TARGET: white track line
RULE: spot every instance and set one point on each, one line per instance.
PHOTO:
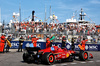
(73, 63)
(82, 62)
(97, 60)
(53, 65)
(76, 63)
(63, 64)
(91, 61)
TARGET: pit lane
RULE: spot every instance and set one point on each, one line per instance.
(15, 59)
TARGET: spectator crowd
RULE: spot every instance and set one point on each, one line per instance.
(60, 29)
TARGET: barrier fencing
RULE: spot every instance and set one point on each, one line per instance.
(42, 45)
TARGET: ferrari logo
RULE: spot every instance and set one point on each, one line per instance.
(67, 55)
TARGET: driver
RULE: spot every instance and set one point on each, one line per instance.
(63, 42)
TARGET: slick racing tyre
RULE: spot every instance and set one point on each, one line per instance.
(25, 57)
(48, 58)
(83, 55)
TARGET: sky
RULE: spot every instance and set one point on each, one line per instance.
(63, 9)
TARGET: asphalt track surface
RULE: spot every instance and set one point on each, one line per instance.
(15, 59)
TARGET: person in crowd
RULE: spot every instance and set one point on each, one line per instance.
(78, 40)
(63, 42)
(21, 40)
(34, 41)
(98, 40)
(47, 41)
(94, 40)
(82, 45)
(72, 44)
(2, 43)
(7, 47)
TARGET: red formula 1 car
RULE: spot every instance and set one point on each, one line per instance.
(52, 54)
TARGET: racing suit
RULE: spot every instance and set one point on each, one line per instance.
(34, 41)
(63, 42)
(47, 42)
(82, 47)
(2, 43)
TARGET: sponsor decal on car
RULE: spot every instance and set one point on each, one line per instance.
(63, 54)
(67, 55)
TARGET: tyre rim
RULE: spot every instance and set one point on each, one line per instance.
(51, 58)
(85, 55)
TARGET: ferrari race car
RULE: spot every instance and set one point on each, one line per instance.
(52, 54)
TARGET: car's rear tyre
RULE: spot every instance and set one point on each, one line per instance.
(25, 57)
(83, 55)
(48, 58)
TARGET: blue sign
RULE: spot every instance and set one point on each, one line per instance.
(88, 47)
(42, 45)
(14, 44)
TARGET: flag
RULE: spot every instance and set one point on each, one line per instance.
(82, 48)
(8, 43)
(52, 38)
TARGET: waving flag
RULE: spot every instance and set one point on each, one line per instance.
(8, 43)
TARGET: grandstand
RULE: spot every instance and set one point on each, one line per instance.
(71, 28)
